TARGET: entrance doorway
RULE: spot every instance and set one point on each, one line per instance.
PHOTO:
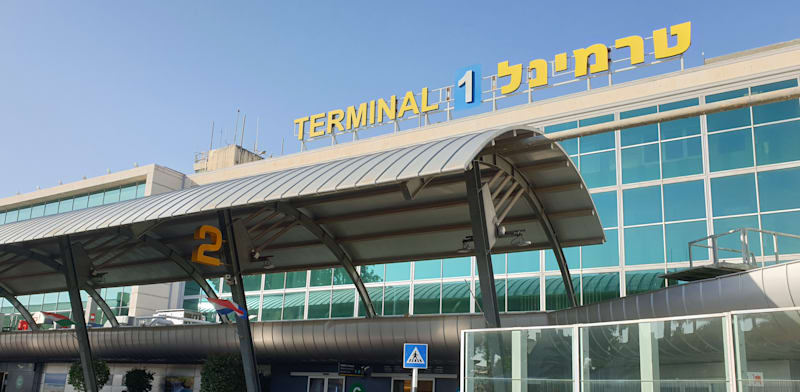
(324, 384)
(405, 385)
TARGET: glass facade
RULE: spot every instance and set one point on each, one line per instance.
(79, 202)
(655, 187)
(117, 298)
(753, 350)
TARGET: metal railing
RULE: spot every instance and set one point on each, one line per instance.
(744, 250)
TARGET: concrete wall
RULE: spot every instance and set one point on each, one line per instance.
(145, 300)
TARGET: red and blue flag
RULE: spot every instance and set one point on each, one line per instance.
(224, 306)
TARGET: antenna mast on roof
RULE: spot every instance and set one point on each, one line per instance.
(241, 140)
(255, 145)
(236, 126)
(211, 146)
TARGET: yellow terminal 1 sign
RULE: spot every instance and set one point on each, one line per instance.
(468, 83)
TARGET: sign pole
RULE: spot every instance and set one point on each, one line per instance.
(415, 357)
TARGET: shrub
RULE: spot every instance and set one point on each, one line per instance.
(101, 374)
(139, 380)
(222, 373)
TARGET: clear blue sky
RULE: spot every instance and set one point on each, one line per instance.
(87, 86)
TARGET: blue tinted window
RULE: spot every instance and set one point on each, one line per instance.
(682, 127)
(426, 298)
(637, 135)
(732, 241)
(500, 290)
(778, 143)
(398, 271)
(340, 277)
(681, 157)
(395, 300)
(571, 254)
(111, 196)
(779, 190)
(36, 211)
(606, 205)
(295, 279)
(51, 208)
(644, 245)
(600, 287)
(523, 261)
(294, 306)
(2, 218)
(372, 273)
(65, 205)
(427, 269)
(778, 110)
(523, 294)
(603, 255)
(730, 150)
(599, 169)
(678, 237)
(556, 294)
(80, 202)
(571, 145)
(24, 214)
(730, 119)
(642, 205)
(96, 199)
(456, 297)
(140, 190)
(320, 277)
(456, 267)
(785, 222)
(127, 193)
(597, 142)
(498, 264)
(733, 195)
(640, 164)
(684, 200)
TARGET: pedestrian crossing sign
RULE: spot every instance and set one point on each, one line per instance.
(415, 356)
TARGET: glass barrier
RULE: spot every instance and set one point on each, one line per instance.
(678, 355)
(768, 351)
(744, 351)
(516, 360)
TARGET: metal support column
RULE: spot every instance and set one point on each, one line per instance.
(112, 318)
(9, 296)
(336, 248)
(480, 238)
(79, 255)
(190, 270)
(237, 289)
(84, 349)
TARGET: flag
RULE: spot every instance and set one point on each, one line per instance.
(224, 306)
(61, 320)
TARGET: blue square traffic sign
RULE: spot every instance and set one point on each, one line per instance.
(415, 356)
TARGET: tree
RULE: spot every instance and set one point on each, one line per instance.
(222, 373)
(101, 374)
(139, 380)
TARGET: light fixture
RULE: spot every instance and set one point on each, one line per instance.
(516, 236)
(265, 260)
(466, 245)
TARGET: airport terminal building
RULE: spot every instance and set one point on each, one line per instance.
(622, 207)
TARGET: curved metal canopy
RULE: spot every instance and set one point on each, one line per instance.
(405, 203)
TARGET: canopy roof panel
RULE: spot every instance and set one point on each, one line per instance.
(404, 203)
